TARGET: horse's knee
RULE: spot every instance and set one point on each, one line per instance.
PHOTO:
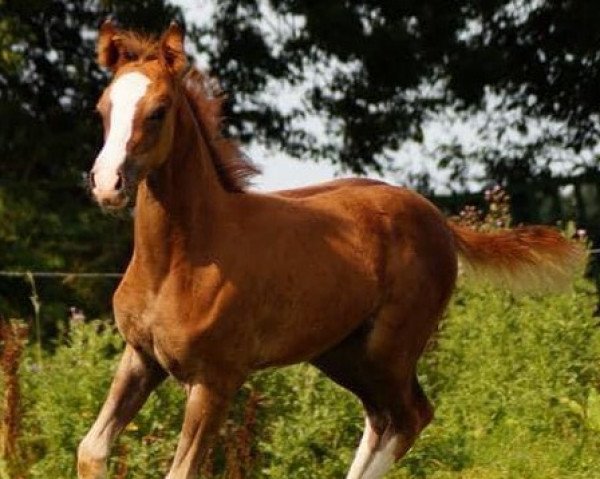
(91, 462)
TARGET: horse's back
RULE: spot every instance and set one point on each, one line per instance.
(412, 231)
(407, 213)
(420, 253)
(328, 187)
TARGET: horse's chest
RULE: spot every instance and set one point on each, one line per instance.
(136, 328)
(154, 331)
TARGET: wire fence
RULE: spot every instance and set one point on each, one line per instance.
(31, 276)
(57, 274)
(91, 275)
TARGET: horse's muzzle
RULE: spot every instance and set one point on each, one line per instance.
(111, 198)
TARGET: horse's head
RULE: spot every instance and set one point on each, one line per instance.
(137, 109)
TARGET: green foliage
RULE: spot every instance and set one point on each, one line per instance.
(62, 393)
(309, 425)
(63, 396)
(514, 381)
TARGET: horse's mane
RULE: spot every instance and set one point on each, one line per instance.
(206, 99)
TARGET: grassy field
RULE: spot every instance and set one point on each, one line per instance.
(514, 381)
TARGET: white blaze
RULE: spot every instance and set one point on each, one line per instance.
(125, 93)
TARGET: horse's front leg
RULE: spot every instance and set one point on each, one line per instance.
(206, 408)
(136, 377)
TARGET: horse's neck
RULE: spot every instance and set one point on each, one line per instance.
(179, 205)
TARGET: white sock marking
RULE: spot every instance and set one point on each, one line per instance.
(373, 463)
(383, 460)
(364, 454)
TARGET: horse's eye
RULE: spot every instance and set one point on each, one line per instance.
(157, 114)
(129, 56)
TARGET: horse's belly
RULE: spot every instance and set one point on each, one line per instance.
(288, 336)
(320, 300)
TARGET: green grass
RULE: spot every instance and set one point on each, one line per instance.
(514, 382)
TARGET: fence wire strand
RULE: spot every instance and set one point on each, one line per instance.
(72, 274)
(57, 274)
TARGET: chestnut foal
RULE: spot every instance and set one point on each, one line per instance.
(352, 275)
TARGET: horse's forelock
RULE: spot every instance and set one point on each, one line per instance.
(138, 47)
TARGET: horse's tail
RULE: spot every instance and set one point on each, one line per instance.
(531, 258)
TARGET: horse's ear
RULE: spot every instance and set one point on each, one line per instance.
(172, 51)
(107, 47)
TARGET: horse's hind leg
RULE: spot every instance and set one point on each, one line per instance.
(389, 434)
(395, 405)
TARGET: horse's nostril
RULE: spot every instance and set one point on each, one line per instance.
(119, 183)
(91, 180)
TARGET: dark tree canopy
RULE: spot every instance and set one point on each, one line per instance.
(392, 63)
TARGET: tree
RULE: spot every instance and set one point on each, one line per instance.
(389, 64)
